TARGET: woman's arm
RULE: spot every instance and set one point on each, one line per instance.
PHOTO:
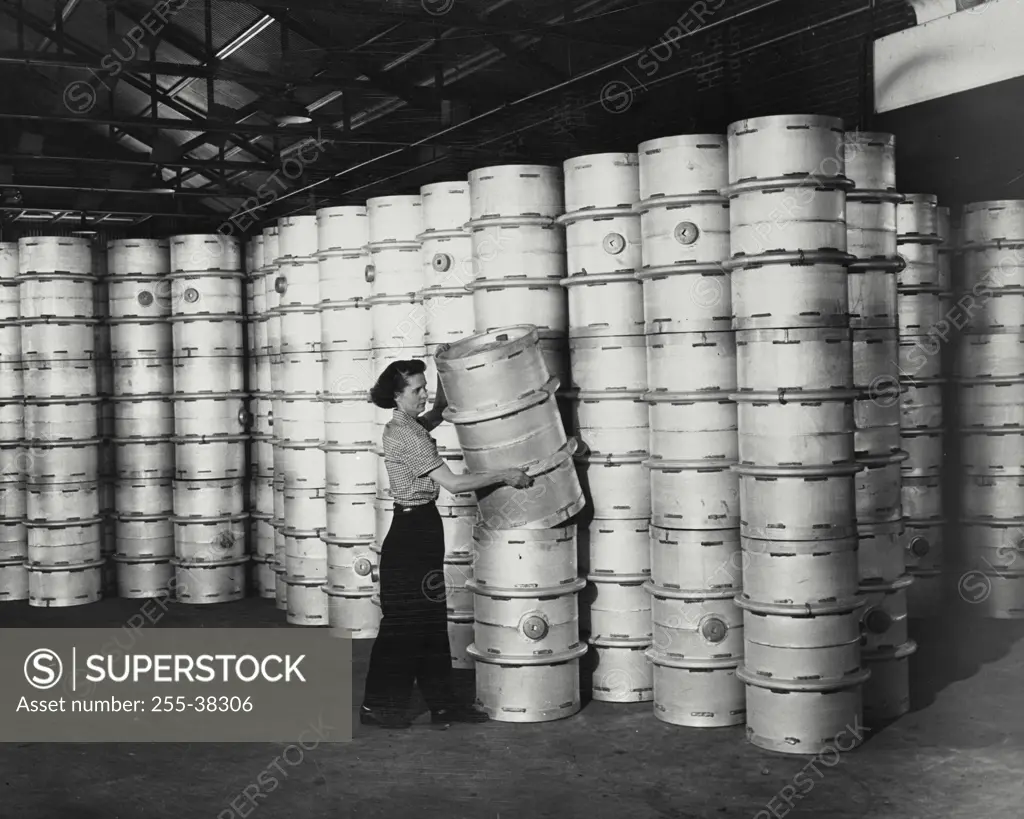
(471, 481)
(432, 418)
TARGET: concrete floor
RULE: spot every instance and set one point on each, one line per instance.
(960, 753)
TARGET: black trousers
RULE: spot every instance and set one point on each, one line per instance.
(412, 643)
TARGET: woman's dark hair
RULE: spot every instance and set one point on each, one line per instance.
(393, 380)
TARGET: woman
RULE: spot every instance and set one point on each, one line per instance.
(412, 644)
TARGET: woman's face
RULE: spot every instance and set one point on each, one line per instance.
(413, 399)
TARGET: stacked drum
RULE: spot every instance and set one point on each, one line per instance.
(211, 418)
(526, 632)
(143, 381)
(105, 410)
(691, 372)
(13, 542)
(261, 446)
(990, 384)
(62, 462)
(609, 378)
(395, 275)
(346, 333)
(300, 465)
(871, 238)
(446, 254)
(798, 493)
(519, 257)
(924, 306)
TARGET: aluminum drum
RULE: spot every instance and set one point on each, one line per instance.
(66, 462)
(526, 624)
(692, 428)
(144, 458)
(799, 573)
(142, 578)
(208, 375)
(527, 691)
(991, 497)
(302, 465)
(502, 191)
(684, 231)
(613, 609)
(61, 502)
(209, 498)
(992, 451)
(351, 566)
(209, 540)
(298, 419)
(142, 537)
(691, 362)
(616, 486)
(299, 374)
(353, 615)
(447, 259)
(793, 644)
(677, 166)
(210, 458)
(350, 471)
(785, 291)
(884, 616)
(601, 242)
(921, 406)
(796, 503)
(342, 227)
(887, 690)
(67, 378)
(768, 147)
(53, 421)
(298, 284)
(872, 298)
(63, 545)
(607, 180)
(923, 313)
(696, 626)
(397, 321)
(615, 548)
(453, 583)
(208, 336)
(150, 497)
(213, 414)
(696, 561)
(696, 694)
(65, 586)
(54, 254)
(459, 524)
(56, 296)
(395, 270)
(922, 543)
(555, 497)
(807, 430)
(305, 556)
(611, 363)
(524, 559)
(623, 672)
(351, 517)
(988, 356)
(878, 486)
(994, 268)
(306, 507)
(205, 252)
(992, 221)
(921, 496)
(207, 583)
(127, 257)
(880, 549)
(920, 358)
(342, 275)
(51, 340)
(800, 359)
(612, 424)
(610, 305)
(384, 513)
(870, 160)
(925, 448)
(917, 218)
(207, 294)
(349, 422)
(493, 369)
(348, 373)
(786, 219)
(152, 377)
(345, 325)
(445, 206)
(687, 299)
(538, 301)
(143, 417)
(694, 495)
(990, 404)
(394, 218)
(300, 330)
(449, 315)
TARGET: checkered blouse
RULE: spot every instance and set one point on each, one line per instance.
(410, 454)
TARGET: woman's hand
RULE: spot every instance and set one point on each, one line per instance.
(441, 348)
(518, 479)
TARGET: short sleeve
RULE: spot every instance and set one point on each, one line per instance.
(416, 449)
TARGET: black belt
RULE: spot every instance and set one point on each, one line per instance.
(402, 509)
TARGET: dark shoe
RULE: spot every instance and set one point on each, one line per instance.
(459, 713)
(383, 719)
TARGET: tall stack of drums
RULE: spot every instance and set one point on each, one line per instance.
(924, 303)
(801, 663)
(526, 636)
(13, 538)
(691, 374)
(394, 273)
(990, 396)
(871, 238)
(62, 463)
(261, 446)
(346, 334)
(139, 305)
(105, 415)
(210, 418)
(446, 254)
(300, 473)
(609, 378)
